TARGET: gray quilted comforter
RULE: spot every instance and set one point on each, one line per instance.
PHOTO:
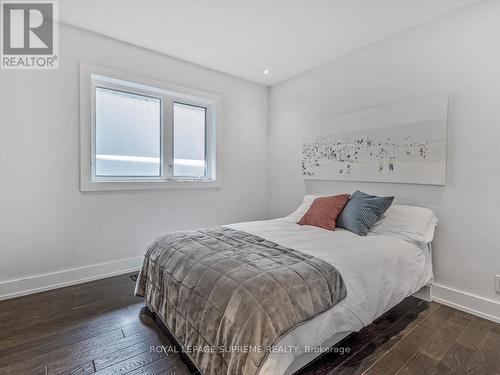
(229, 296)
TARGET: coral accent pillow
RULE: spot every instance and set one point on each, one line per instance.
(324, 211)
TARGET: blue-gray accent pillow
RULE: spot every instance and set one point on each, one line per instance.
(362, 211)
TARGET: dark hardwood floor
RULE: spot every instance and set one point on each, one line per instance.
(101, 328)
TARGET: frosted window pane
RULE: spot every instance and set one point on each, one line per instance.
(189, 141)
(128, 128)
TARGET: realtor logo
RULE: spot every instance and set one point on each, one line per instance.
(29, 35)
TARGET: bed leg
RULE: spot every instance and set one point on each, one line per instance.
(424, 294)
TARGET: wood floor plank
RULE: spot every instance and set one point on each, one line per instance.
(476, 332)
(444, 336)
(399, 355)
(132, 363)
(60, 364)
(61, 317)
(65, 344)
(73, 295)
(60, 337)
(461, 360)
(490, 352)
(155, 368)
(139, 325)
(84, 350)
(419, 364)
(100, 307)
(113, 358)
(65, 320)
(36, 312)
(86, 368)
(38, 299)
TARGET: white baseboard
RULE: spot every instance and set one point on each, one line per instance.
(467, 302)
(54, 280)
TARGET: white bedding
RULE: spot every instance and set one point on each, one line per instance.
(379, 272)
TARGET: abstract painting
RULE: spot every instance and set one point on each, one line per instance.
(403, 143)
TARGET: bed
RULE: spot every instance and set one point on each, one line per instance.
(378, 271)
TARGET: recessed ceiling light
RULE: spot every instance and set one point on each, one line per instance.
(266, 71)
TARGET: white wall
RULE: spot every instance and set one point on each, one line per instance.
(457, 55)
(47, 225)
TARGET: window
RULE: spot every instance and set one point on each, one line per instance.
(189, 140)
(127, 134)
(140, 134)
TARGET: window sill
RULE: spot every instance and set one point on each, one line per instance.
(148, 185)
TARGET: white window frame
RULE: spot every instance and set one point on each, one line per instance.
(93, 76)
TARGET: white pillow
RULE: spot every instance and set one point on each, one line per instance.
(295, 216)
(410, 223)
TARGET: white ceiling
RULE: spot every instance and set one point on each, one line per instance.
(245, 37)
